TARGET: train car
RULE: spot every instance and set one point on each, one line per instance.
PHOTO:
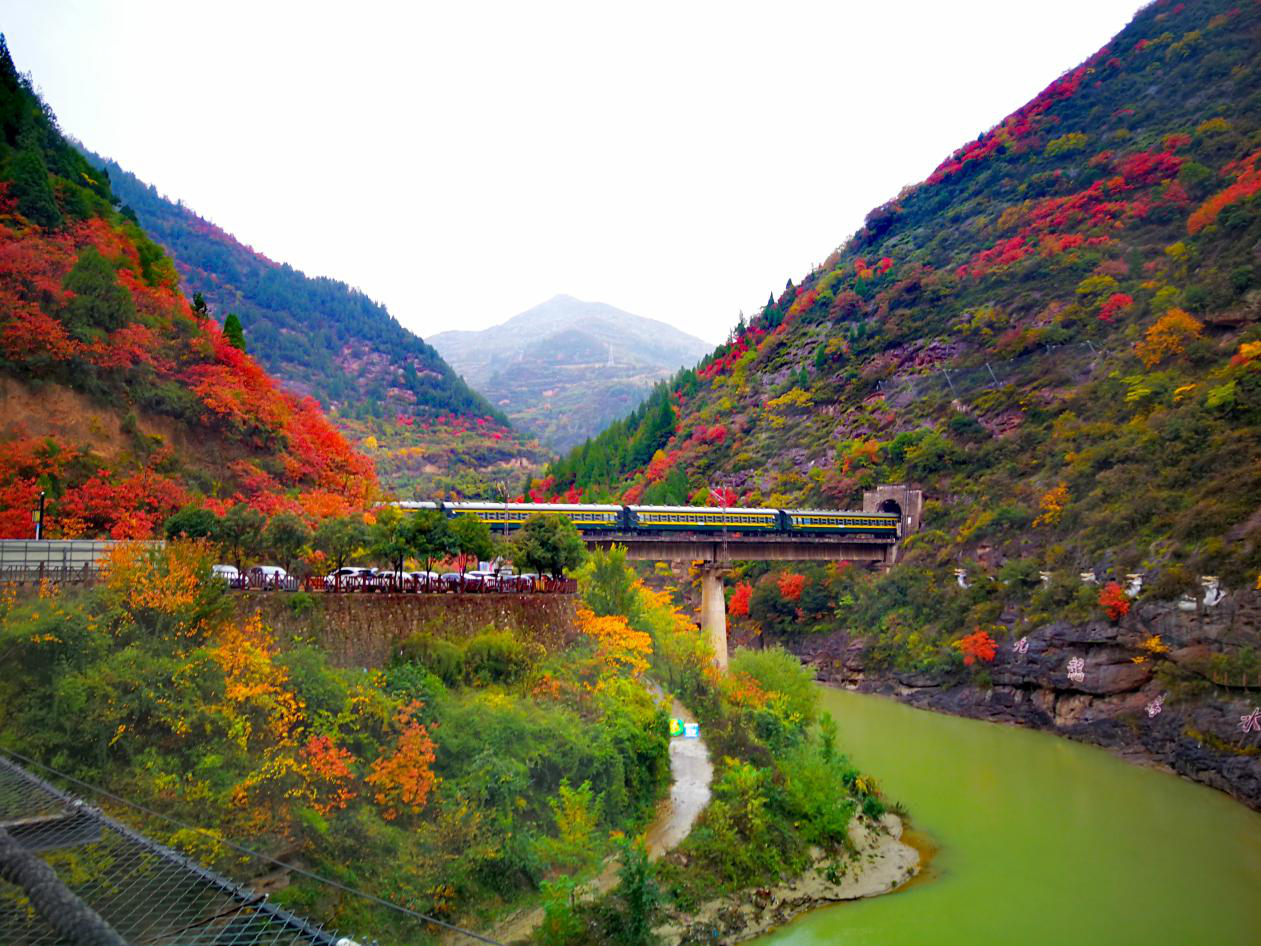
(734, 519)
(833, 522)
(510, 516)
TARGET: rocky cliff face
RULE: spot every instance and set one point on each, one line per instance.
(1179, 709)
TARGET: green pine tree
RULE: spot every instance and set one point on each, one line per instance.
(233, 331)
(36, 201)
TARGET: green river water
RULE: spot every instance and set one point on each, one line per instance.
(1042, 841)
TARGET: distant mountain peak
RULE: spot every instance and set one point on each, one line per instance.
(591, 361)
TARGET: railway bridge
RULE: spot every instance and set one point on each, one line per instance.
(717, 552)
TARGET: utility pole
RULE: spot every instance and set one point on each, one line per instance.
(722, 498)
(39, 517)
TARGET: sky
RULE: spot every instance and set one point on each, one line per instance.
(462, 162)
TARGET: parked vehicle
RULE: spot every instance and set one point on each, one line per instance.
(480, 580)
(351, 576)
(228, 573)
(268, 577)
(422, 581)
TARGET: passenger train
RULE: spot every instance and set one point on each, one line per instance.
(733, 520)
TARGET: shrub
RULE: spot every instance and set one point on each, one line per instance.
(1113, 601)
(441, 657)
(495, 657)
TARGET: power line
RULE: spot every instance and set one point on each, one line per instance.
(244, 850)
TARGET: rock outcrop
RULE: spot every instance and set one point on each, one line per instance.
(1178, 705)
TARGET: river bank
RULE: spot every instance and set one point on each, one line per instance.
(1170, 709)
(879, 863)
(1042, 841)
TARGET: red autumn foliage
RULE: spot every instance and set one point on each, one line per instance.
(978, 646)
(1247, 182)
(746, 340)
(1116, 303)
(791, 585)
(233, 399)
(1113, 601)
(1019, 125)
(740, 598)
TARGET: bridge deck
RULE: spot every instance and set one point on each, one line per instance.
(711, 547)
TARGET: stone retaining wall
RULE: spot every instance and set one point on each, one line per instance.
(363, 630)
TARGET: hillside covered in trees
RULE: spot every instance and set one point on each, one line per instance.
(1060, 324)
(1056, 335)
(322, 338)
(123, 402)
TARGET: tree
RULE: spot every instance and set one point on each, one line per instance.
(636, 903)
(740, 598)
(611, 587)
(549, 544)
(99, 302)
(199, 305)
(233, 331)
(1168, 336)
(428, 535)
(388, 540)
(791, 585)
(36, 200)
(339, 538)
(285, 537)
(472, 537)
(239, 533)
(1113, 601)
(978, 646)
(191, 522)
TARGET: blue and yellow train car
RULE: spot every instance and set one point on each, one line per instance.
(509, 516)
(835, 522)
(733, 519)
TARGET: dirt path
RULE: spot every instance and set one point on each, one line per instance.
(690, 775)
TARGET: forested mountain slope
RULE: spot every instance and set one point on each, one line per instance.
(320, 337)
(1056, 336)
(566, 368)
(1097, 251)
(121, 402)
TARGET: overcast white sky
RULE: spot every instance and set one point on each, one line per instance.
(461, 162)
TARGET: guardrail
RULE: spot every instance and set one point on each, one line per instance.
(455, 584)
(36, 573)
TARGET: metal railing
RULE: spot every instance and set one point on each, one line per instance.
(443, 584)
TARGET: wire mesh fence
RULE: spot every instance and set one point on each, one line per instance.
(148, 894)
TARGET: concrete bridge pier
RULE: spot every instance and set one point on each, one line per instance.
(714, 610)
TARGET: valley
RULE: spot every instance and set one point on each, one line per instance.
(565, 369)
(925, 607)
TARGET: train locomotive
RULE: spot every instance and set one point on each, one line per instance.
(733, 520)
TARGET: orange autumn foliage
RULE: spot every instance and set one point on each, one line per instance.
(740, 598)
(167, 580)
(1167, 337)
(1052, 502)
(978, 646)
(330, 765)
(1247, 183)
(404, 779)
(255, 685)
(619, 645)
(791, 585)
